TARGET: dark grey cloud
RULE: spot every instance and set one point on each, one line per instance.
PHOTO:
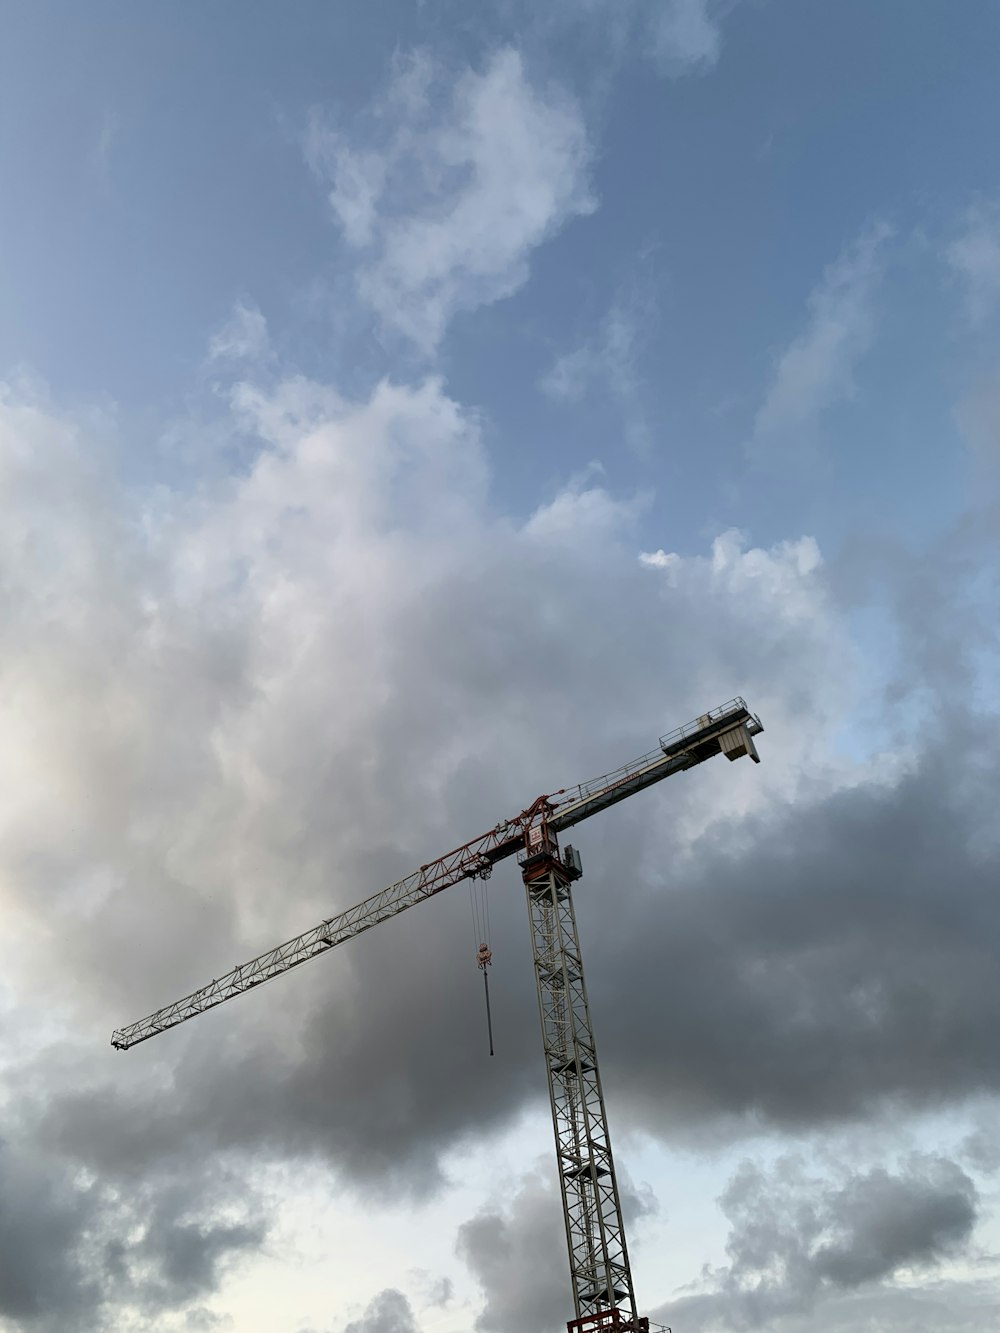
(72, 1251)
(981, 1146)
(388, 1312)
(797, 1242)
(516, 1252)
(44, 1219)
(183, 1255)
(935, 1307)
(881, 1222)
(826, 963)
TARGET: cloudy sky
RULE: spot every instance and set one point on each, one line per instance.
(408, 407)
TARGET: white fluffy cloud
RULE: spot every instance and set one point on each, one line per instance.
(978, 416)
(974, 257)
(243, 337)
(183, 676)
(223, 712)
(460, 180)
(816, 369)
(190, 681)
(679, 37)
(608, 362)
(684, 34)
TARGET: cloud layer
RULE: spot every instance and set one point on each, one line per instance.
(236, 700)
(796, 1240)
(231, 712)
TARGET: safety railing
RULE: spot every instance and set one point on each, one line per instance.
(736, 705)
(670, 741)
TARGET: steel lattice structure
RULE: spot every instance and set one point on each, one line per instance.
(595, 1235)
(599, 1267)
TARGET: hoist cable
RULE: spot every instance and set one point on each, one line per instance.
(489, 1020)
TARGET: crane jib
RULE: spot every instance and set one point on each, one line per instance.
(728, 730)
(600, 1273)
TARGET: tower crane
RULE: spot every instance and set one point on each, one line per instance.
(601, 1278)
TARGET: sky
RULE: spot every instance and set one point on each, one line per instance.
(407, 408)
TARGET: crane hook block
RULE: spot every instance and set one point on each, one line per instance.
(484, 957)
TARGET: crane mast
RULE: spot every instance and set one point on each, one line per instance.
(595, 1235)
(601, 1277)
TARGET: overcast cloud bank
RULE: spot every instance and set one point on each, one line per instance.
(233, 707)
